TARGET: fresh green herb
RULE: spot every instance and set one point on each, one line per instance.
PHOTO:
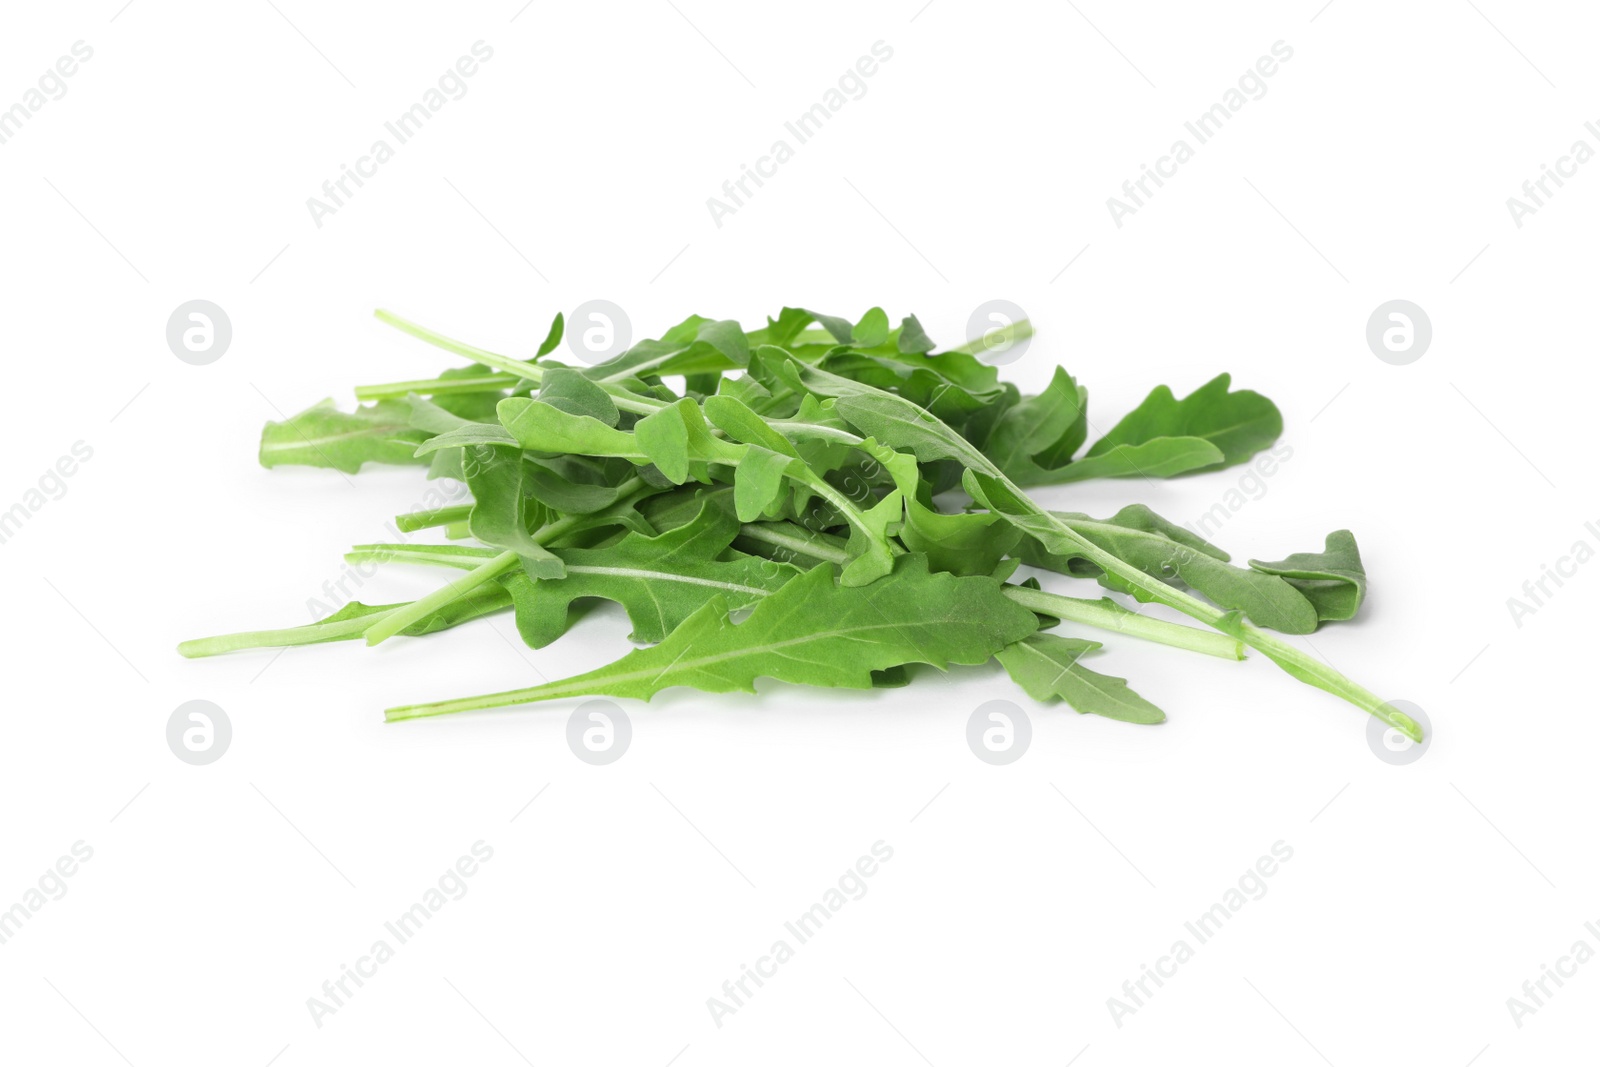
(824, 502)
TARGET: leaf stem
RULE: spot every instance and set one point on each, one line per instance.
(1006, 335)
(413, 521)
(310, 634)
(1106, 615)
(1294, 661)
(391, 623)
(482, 383)
(627, 401)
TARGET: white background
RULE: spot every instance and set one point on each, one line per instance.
(219, 898)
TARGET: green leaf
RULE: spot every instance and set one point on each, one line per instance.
(1174, 555)
(841, 329)
(1238, 424)
(1160, 457)
(913, 340)
(1333, 580)
(569, 390)
(758, 482)
(963, 544)
(552, 338)
(470, 435)
(677, 436)
(812, 631)
(659, 580)
(541, 427)
(323, 436)
(734, 418)
(872, 330)
(351, 622)
(783, 329)
(1047, 666)
(503, 513)
(1051, 425)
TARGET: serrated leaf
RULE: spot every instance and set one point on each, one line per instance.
(1046, 666)
(323, 436)
(1174, 555)
(659, 580)
(1238, 424)
(812, 631)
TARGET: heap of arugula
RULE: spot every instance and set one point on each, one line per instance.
(788, 515)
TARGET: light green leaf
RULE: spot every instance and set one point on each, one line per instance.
(323, 436)
(1046, 666)
(812, 631)
(659, 580)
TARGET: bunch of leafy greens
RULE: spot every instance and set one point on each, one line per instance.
(788, 514)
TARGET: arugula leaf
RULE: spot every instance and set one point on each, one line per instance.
(1047, 666)
(812, 631)
(504, 514)
(1237, 424)
(825, 457)
(552, 337)
(961, 544)
(659, 580)
(351, 621)
(1040, 432)
(1172, 554)
(1333, 580)
(323, 436)
(913, 340)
